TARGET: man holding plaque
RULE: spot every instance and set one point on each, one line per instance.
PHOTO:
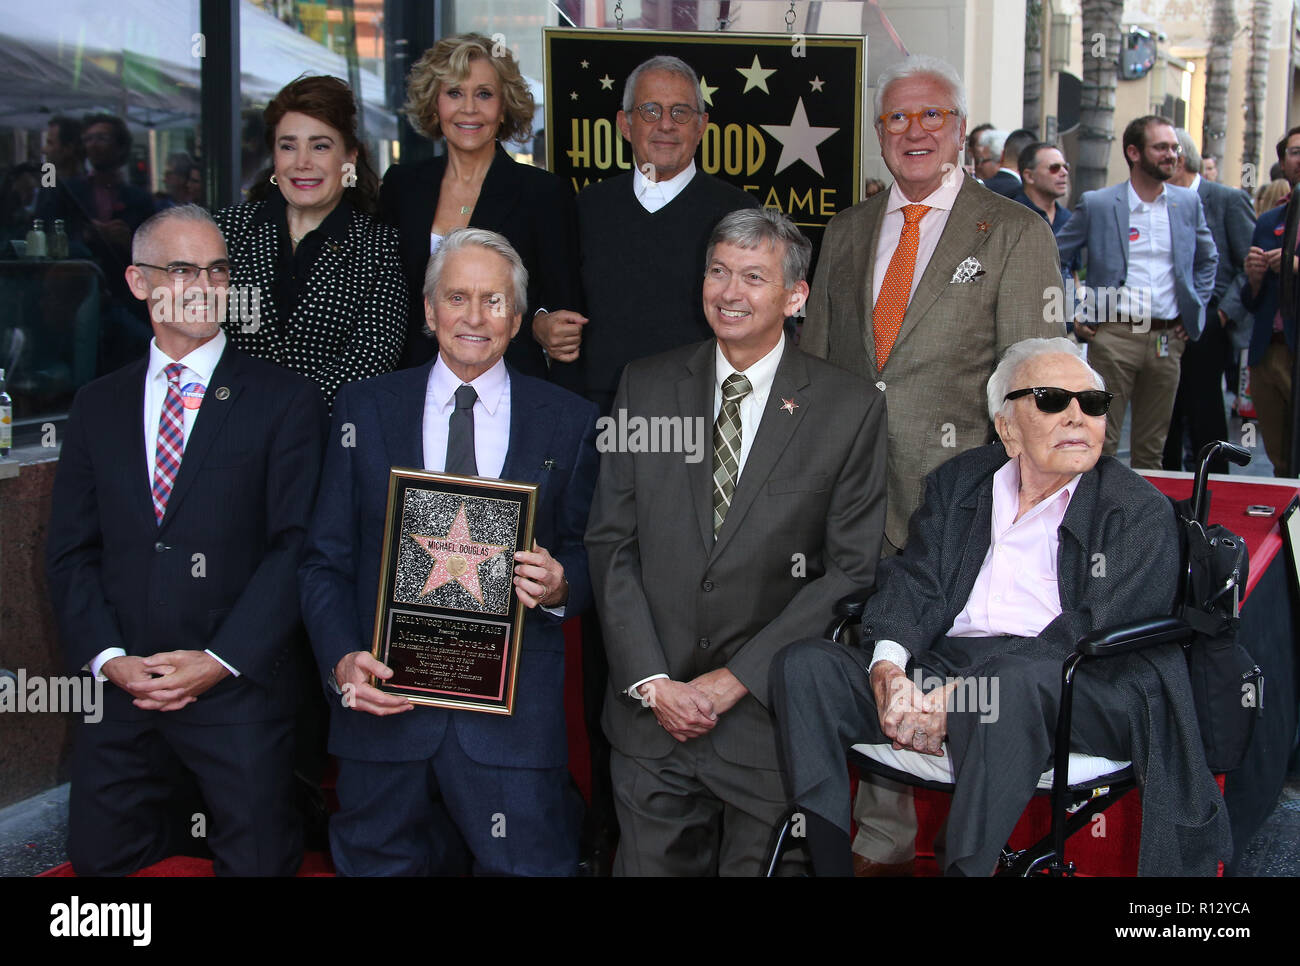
(706, 567)
(416, 781)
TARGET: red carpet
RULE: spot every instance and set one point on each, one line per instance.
(314, 864)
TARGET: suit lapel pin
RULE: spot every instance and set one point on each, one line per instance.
(222, 393)
(982, 226)
(789, 405)
(548, 464)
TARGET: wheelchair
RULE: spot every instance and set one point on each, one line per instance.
(1080, 786)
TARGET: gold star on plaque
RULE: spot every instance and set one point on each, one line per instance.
(456, 557)
(789, 405)
(981, 226)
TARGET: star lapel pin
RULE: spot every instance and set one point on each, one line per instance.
(789, 405)
(981, 226)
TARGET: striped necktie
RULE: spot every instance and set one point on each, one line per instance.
(726, 446)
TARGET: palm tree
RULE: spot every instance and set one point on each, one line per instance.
(1261, 27)
(1218, 65)
(1101, 48)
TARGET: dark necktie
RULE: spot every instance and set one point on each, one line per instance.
(460, 434)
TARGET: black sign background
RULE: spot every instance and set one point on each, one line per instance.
(801, 84)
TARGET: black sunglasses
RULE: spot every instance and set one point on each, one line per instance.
(1093, 402)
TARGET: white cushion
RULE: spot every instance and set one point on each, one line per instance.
(1083, 768)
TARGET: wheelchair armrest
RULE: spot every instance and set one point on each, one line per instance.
(851, 605)
(1133, 636)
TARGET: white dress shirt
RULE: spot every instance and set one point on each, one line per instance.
(654, 195)
(199, 366)
(1016, 591)
(761, 376)
(752, 406)
(1150, 258)
(491, 423)
(491, 417)
(931, 227)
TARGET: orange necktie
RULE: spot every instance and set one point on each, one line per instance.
(896, 290)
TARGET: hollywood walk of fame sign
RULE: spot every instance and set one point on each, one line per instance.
(447, 620)
(785, 112)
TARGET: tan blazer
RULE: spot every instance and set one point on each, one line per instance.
(952, 334)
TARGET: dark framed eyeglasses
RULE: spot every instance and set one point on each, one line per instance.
(1093, 402)
(681, 113)
(1056, 167)
(930, 119)
(218, 272)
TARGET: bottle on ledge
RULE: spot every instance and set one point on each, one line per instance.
(36, 239)
(6, 419)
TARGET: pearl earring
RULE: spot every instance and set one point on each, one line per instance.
(274, 182)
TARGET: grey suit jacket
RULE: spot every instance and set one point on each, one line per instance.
(803, 530)
(1232, 221)
(953, 333)
(1117, 561)
(1100, 224)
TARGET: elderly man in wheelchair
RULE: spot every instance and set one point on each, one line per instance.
(1019, 549)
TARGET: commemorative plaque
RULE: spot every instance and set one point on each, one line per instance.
(447, 620)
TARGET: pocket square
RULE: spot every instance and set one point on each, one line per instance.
(967, 271)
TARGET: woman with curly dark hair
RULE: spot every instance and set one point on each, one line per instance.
(317, 282)
(469, 92)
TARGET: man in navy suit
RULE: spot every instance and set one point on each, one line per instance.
(412, 781)
(1151, 271)
(178, 516)
(1273, 339)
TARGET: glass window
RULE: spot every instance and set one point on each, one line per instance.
(99, 111)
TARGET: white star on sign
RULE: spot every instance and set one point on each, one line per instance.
(573, 95)
(607, 83)
(799, 140)
(585, 65)
(756, 75)
(706, 91)
(817, 84)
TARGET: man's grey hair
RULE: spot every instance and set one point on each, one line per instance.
(995, 141)
(1004, 376)
(463, 238)
(670, 65)
(143, 238)
(758, 227)
(922, 65)
(1191, 153)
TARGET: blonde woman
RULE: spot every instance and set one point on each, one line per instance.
(461, 93)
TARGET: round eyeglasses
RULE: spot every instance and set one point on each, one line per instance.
(930, 119)
(681, 113)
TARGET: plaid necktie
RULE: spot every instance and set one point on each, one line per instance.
(896, 289)
(726, 446)
(171, 441)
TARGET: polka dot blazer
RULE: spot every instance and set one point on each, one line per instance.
(350, 320)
